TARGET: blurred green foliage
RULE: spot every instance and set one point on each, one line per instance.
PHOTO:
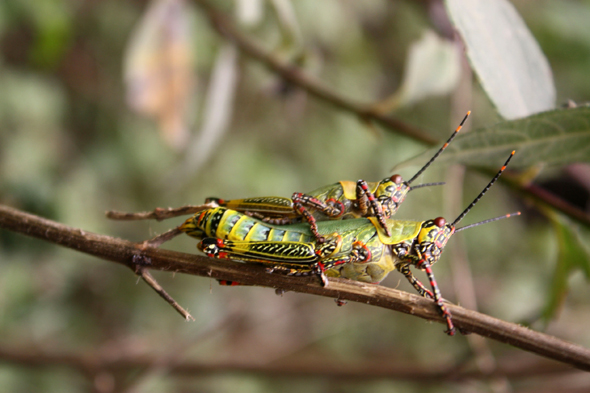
(70, 148)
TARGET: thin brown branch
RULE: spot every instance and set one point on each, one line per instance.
(320, 368)
(151, 281)
(159, 213)
(124, 252)
(545, 197)
(290, 72)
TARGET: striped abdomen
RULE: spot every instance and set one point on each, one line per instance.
(223, 223)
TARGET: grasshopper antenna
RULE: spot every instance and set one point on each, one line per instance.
(488, 220)
(439, 183)
(481, 194)
(453, 135)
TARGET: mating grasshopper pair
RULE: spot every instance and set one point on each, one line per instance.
(357, 249)
(266, 230)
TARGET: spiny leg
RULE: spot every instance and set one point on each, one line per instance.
(444, 312)
(363, 194)
(422, 290)
(301, 202)
(319, 268)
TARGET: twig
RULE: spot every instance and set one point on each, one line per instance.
(227, 28)
(122, 251)
(151, 281)
(159, 213)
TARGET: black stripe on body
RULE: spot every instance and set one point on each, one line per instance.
(215, 220)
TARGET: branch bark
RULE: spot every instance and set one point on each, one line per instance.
(126, 253)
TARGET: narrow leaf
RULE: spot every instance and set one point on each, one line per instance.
(505, 56)
(432, 68)
(557, 137)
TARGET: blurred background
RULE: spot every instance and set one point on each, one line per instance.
(132, 105)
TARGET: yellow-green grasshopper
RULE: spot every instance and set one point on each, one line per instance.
(357, 249)
(342, 200)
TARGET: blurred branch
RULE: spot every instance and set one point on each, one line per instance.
(294, 74)
(93, 364)
(126, 253)
(290, 72)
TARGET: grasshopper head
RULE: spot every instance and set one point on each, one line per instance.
(391, 192)
(435, 234)
(432, 239)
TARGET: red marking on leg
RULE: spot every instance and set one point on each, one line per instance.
(313, 226)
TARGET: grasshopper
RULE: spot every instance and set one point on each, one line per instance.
(342, 200)
(357, 249)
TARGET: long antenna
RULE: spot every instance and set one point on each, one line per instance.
(481, 194)
(440, 183)
(488, 220)
(453, 135)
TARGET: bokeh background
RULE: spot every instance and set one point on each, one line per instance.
(132, 105)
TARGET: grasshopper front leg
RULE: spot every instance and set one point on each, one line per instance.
(420, 288)
(331, 208)
(364, 198)
(402, 251)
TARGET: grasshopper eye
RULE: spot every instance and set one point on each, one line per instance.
(440, 222)
(397, 179)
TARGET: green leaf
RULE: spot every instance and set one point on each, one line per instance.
(572, 255)
(556, 137)
(505, 56)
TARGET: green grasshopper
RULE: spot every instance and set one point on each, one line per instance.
(357, 249)
(342, 200)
